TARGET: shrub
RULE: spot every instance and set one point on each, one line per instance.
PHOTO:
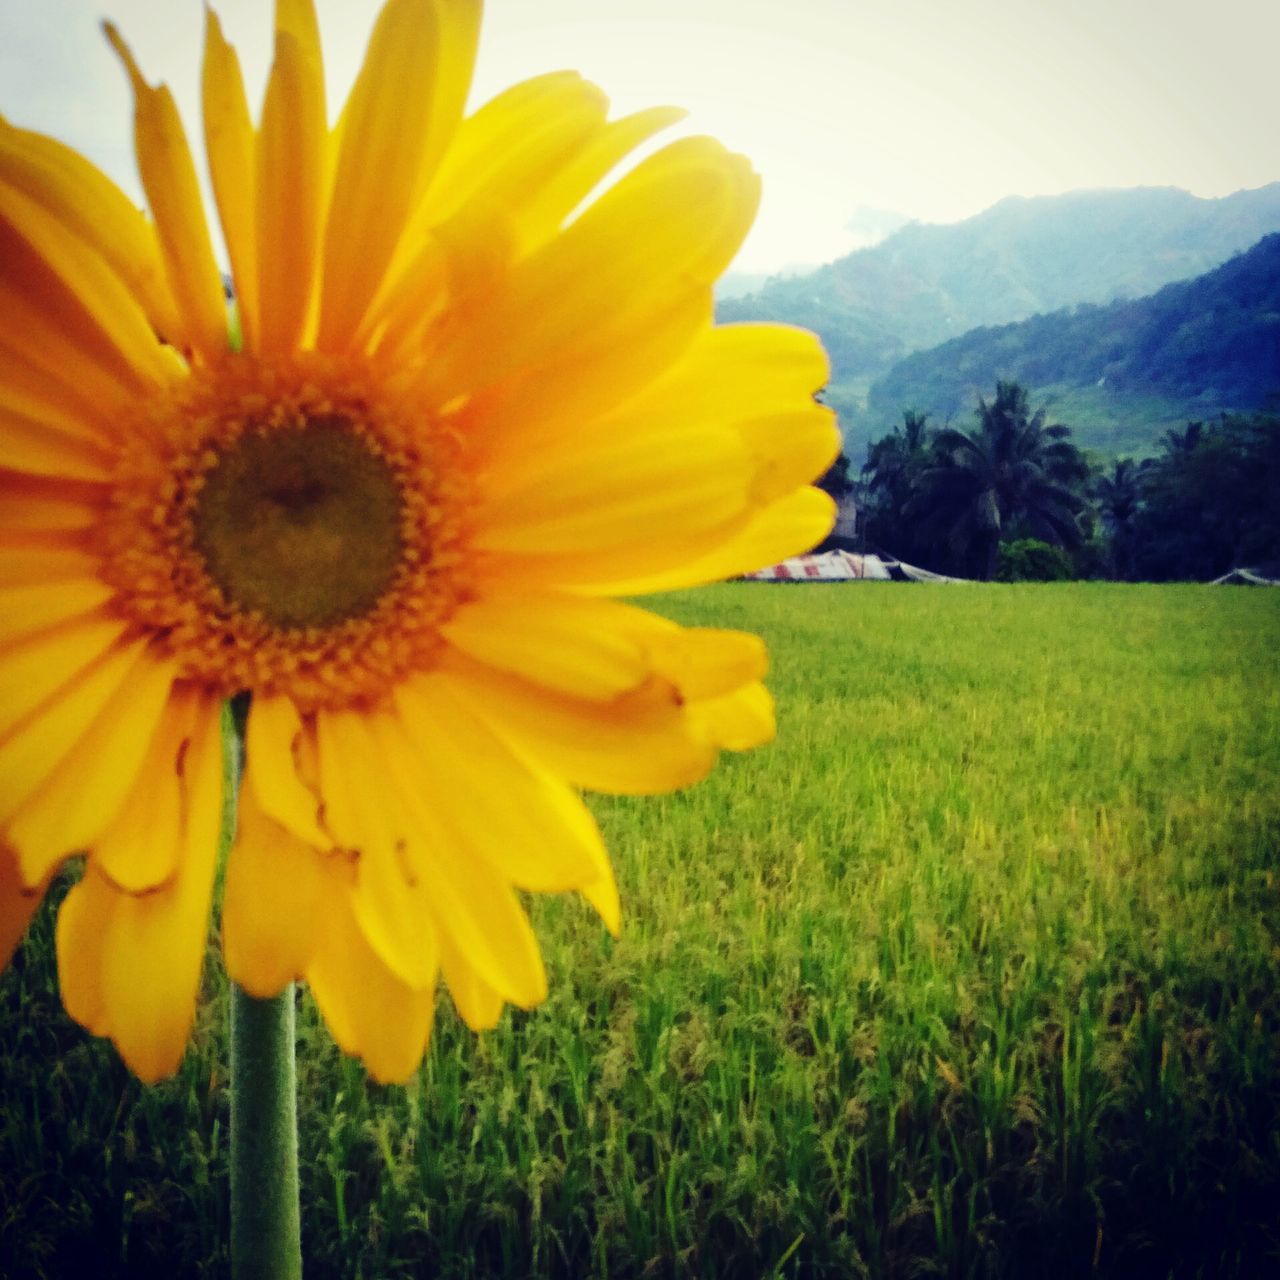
(1031, 560)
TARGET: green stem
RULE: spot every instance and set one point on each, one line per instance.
(266, 1236)
(266, 1242)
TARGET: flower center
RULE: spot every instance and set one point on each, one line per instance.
(301, 524)
(289, 527)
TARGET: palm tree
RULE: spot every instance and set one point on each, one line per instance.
(892, 473)
(836, 479)
(1181, 444)
(1118, 497)
(896, 459)
(1013, 475)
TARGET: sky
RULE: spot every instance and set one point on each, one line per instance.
(934, 109)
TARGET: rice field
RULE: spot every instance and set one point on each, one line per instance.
(974, 973)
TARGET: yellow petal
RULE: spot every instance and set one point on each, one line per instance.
(446, 289)
(617, 494)
(788, 527)
(750, 376)
(84, 925)
(389, 901)
(403, 109)
(468, 230)
(138, 849)
(290, 180)
(671, 224)
(129, 965)
(48, 512)
(424, 874)
(789, 450)
(737, 721)
(35, 607)
(370, 1011)
(24, 562)
(33, 447)
(706, 662)
(276, 906)
(459, 25)
(229, 143)
(93, 209)
(173, 192)
(602, 896)
(761, 378)
(516, 143)
(543, 215)
(580, 647)
(272, 738)
(542, 837)
(546, 404)
(297, 20)
(17, 905)
(65, 311)
(80, 791)
(477, 1003)
(702, 668)
(412, 298)
(638, 744)
(734, 372)
(594, 571)
(34, 393)
(599, 649)
(35, 669)
(678, 215)
(660, 236)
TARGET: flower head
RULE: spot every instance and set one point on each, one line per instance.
(462, 414)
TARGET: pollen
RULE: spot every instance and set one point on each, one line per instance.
(289, 527)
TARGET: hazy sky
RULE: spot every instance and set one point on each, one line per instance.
(933, 108)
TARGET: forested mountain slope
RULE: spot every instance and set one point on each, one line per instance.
(1193, 349)
(926, 284)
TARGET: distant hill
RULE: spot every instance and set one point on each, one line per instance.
(926, 284)
(739, 284)
(1116, 373)
(864, 228)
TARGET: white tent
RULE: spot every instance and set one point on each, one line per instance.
(845, 566)
(831, 566)
(1245, 578)
(913, 574)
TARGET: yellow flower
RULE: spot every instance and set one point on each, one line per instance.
(463, 414)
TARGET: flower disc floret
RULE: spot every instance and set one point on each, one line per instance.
(288, 527)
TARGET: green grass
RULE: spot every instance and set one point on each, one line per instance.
(972, 973)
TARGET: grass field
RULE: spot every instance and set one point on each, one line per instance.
(973, 973)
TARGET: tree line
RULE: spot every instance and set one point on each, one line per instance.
(1013, 497)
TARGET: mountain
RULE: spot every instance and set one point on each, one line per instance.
(738, 284)
(926, 283)
(1116, 373)
(864, 228)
